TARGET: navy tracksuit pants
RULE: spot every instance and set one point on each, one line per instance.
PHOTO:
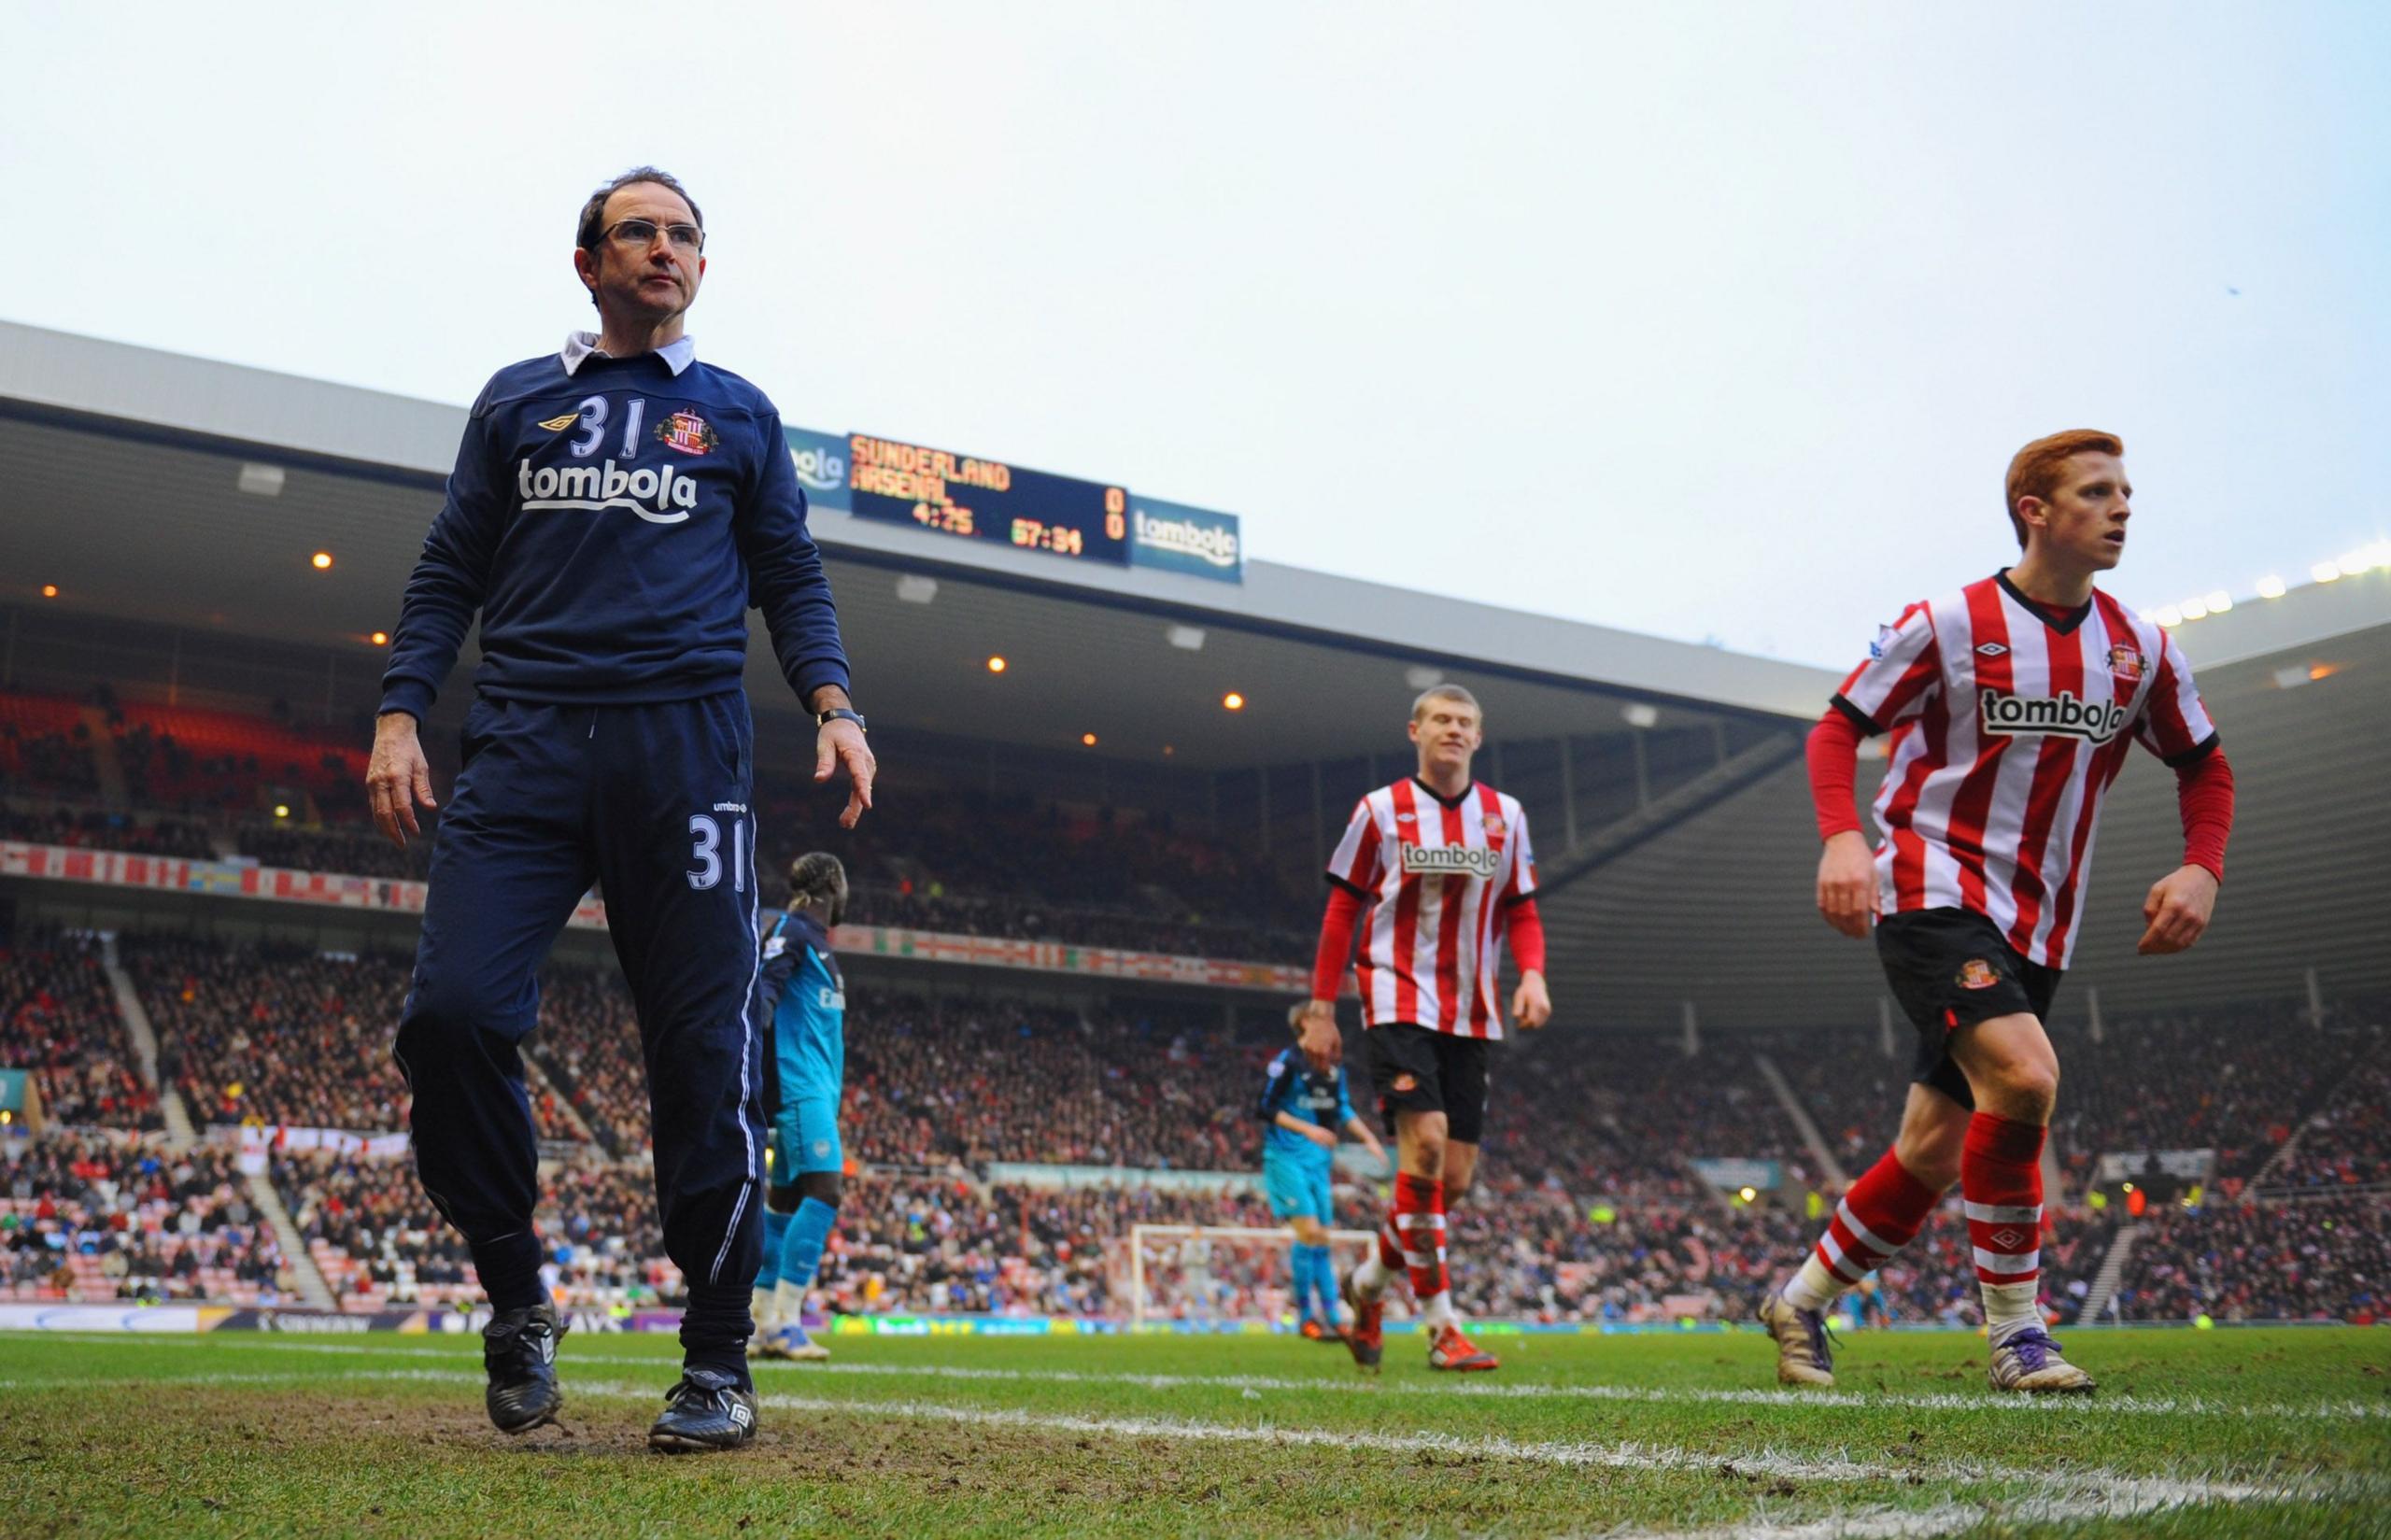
(652, 801)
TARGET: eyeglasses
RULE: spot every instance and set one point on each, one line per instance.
(641, 234)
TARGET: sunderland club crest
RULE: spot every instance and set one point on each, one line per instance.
(686, 432)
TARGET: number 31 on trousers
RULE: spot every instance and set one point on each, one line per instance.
(707, 852)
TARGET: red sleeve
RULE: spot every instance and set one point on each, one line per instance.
(1834, 767)
(1525, 932)
(2204, 797)
(1335, 943)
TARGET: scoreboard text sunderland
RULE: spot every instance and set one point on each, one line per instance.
(971, 498)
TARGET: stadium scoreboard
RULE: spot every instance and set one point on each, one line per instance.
(985, 499)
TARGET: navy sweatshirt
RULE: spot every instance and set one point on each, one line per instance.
(612, 524)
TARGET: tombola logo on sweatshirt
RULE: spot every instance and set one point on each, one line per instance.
(595, 488)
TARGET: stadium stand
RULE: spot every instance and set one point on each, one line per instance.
(100, 1218)
(1587, 1206)
(2218, 1079)
(971, 864)
(76, 827)
(278, 1035)
(2348, 1142)
(194, 760)
(2318, 1259)
(273, 1034)
(58, 1019)
(46, 748)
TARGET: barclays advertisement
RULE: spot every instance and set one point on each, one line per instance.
(1175, 537)
(821, 467)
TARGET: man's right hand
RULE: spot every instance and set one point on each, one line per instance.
(1847, 883)
(397, 778)
(1326, 1138)
(1319, 1037)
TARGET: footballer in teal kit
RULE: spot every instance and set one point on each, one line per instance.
(1304, 1103)
(802, 1002)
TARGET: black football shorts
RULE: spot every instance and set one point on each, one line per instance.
(1950, 968)
(1416, 1070)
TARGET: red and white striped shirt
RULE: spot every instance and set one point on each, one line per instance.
(2008, 727)
(1435, 875)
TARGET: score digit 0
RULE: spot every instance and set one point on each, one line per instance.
(1116, 507)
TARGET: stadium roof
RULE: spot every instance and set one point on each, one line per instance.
(126, 474)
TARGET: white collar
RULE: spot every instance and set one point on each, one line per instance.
(677, 355)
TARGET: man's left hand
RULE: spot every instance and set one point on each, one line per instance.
(841, 742)
(2178, 909)
(1531, 1003)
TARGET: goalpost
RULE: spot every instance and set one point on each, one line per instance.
(1226, 1273)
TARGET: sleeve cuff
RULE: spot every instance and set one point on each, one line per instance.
(814, 679)
(411, 695)
(1859, 719)
(1352, 887)
(2192, 755)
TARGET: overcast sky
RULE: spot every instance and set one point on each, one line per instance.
(1705, 320)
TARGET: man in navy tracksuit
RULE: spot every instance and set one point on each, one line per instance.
(615, 510)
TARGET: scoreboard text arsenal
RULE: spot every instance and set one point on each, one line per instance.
(971, 498)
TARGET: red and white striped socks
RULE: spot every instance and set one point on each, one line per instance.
(2001, 1180)
(1412, 1241)
(1882, 1213)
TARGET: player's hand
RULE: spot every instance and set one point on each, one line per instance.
(397, 778)
(1847, 883)
(1531, 1003)
(841, 742)
(1324, 1138)
(1319, 1037)
(2178, 908)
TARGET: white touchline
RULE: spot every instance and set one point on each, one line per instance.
(1878, 1523)
(2084, 1408)
(2112, 1488)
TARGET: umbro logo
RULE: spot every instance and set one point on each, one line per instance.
(1991, 649)
(740, 1416)
(2008, 1240)
(557, 425)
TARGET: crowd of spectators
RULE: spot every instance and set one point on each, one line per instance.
(45, 755)
(587, 1044)
(379, 1242)
(351, 850)
(1537, 1252)
(92, 1217)
(273, 1034)
(267, 1035)
(2216, 1081)
(946, 1242)
(1042, 855)
(2326, 1258)
(82, 828)
(231, 764)
(59, 1020)
(962, 861)
(2347, 1143)
(1624, 1114)
(1588, 1206)
(2219, 1080)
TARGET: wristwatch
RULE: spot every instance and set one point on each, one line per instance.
(841, 714)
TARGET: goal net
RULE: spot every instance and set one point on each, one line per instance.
(1216, 1274)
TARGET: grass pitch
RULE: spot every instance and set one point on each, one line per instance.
(2240, 1432)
